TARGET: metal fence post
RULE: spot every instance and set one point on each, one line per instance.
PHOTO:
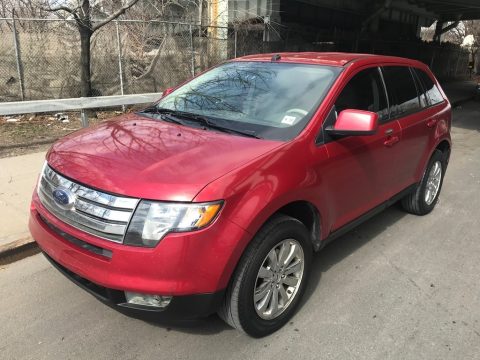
(192, 49)
(459, 55)
(18, 58)
(84, 118)
(449, 69)
(235, 42)
(120, 67)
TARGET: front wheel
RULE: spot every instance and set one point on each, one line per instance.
(424, 198)
(270, 278)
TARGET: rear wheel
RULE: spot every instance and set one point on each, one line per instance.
(270, 278)
(424, 198)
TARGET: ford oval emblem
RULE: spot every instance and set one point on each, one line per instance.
(63, 197)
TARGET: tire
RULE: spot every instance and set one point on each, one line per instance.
(239, 308)
(416, 202)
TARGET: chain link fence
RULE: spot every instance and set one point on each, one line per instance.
(9, 80)
(40, 58)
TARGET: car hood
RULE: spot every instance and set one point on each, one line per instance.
(145, 158)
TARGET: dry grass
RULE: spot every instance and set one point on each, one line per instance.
(24, 135)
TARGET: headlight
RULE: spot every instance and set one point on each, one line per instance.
(153, 220)
(42, 172)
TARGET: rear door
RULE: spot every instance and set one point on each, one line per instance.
(408, 105)
(363, 171)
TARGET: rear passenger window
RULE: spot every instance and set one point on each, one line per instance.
(431, 89)
(364, 91)
(402, 91)
(424, 102)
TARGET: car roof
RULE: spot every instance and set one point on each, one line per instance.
(327, 58)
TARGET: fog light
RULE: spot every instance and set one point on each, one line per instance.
(147, 299)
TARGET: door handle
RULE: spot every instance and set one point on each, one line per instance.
(392, 140)
(431, 123)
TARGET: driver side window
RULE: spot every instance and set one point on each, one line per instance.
(364, 91)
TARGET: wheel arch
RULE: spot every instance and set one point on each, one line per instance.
(445, 147)
(308, 214)
(302, 210)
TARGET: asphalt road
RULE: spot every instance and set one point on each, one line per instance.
(397, 287)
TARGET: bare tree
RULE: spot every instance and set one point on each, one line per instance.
(81, 11)
(466, 34)
(21, 8)
(427, 33)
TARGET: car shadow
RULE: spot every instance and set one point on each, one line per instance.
(203, 326)
(347, 244)
(467, 116)
(332, 254)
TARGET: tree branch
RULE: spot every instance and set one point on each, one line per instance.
(49, 8)
(59, 8)
(71, 11)
(114, 15)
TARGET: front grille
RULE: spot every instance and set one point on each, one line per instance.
(95, 212)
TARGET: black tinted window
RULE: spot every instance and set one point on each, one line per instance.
(364, 92)
(431, 90)
(401, 89)
(424, 102)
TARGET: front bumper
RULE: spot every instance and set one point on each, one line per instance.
(193, 266)
(181, 307)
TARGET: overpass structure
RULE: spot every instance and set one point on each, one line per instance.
(410, 14)
(451, 10)
(391, 27)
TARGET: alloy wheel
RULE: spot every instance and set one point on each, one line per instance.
(433, 182)
(279, 279)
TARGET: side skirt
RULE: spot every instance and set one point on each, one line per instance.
(368, 215)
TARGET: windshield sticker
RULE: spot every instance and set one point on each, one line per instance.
(289, 120)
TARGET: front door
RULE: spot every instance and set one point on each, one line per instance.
(363, 169)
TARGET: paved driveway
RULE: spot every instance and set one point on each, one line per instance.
(399, 286)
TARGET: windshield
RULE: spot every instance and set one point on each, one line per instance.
(271, 100)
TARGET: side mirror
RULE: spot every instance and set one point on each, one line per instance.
(353, 122)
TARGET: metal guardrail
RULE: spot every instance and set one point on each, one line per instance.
(82, 104)
(29, 42)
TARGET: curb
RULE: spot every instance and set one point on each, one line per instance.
(17, 250)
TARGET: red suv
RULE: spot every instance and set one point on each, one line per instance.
(215, 198)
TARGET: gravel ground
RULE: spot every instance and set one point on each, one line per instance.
(31, 129)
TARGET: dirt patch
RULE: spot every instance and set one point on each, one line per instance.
(23, 134)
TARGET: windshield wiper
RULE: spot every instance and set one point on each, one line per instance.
(203, 120)
(246, 133)
(165, 114)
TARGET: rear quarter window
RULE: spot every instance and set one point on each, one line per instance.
(432, 92)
